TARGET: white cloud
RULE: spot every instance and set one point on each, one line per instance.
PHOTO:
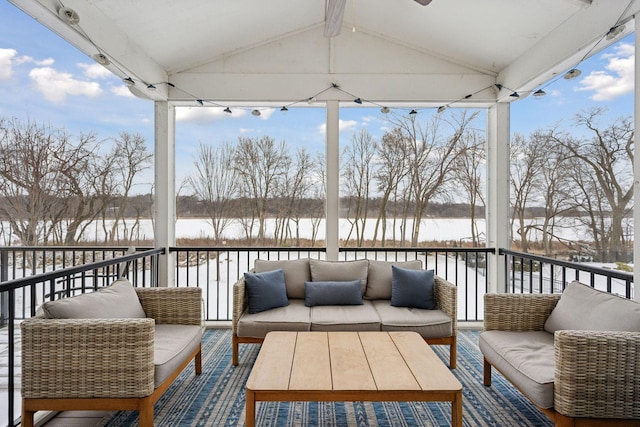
(122, 90)
(25, 59)
(205, 115)
(266, 113)
(95, 71)
(343, 125)
(6, 61)
(56, 86)
(617, 79)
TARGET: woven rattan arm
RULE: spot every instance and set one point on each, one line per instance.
(240, 302)
(597, 374)
(517, 312)
(87, 358)
(446, 294)
(177, 306)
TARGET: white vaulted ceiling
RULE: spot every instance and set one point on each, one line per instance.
(387, 51)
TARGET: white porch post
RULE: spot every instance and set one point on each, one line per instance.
(498, 205)
(165, 200)
(333, 180)
(636, 170)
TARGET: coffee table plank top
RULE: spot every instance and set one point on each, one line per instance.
(389, 369)
(311, 369)
(349, 365)
(272, 369)
(417, 354)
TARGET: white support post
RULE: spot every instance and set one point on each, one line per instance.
(165, 192)
(498, 203)
(332, 219)
(636, 171)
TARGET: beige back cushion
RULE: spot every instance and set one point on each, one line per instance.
(583, 308)
(340, 271)
(118, 301)
(379, 280)
(296, 272)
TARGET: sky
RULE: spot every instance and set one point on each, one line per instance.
(45, 79)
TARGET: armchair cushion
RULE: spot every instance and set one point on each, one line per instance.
(606, 312)
(117, 301)
(412, 288)
(172, 344)
(266, 290)
(333, 293)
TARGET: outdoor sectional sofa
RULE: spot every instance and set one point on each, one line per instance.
(575, 355)
(117, 348)
(344, 296)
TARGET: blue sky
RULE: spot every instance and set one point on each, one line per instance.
(43, 78)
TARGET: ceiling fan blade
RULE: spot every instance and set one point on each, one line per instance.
(333, 21)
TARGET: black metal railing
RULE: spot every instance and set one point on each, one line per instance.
(527, 273)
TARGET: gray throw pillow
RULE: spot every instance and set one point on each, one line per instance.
(296, 272)
(332, 293)
(412, 288)
(379, 279)
(266, 290)
(117, 301)
(330, 271)
(583, 308)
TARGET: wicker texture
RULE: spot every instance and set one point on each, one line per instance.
(175, 306)
(597, 374)
(87, 358)
(446, 297)
(240, 303)
(517, 312)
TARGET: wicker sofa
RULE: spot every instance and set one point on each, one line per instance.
(373, 312)
(576, 356)
(117, 348)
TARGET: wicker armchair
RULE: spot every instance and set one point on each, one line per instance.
(597, 373)
(105, 364)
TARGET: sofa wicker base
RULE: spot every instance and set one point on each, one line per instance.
(142, 404)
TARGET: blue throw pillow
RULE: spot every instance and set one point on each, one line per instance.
(333, 293)
(266, 290)
(412, 288)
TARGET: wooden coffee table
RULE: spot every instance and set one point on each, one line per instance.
(350, 366)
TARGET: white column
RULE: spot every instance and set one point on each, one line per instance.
(165, 200)
(333, 180)
(636, 172)
(498, 205)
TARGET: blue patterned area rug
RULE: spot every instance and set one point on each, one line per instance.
(217, 397)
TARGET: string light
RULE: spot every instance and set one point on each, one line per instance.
(255, 112)
(227, 110)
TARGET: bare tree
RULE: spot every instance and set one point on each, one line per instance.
(431, 157)
(261, 165)
(609, 156)
(526, 166)
(215, 184)
(391, 170)
(469, 168)
(357, 167)
(319, 192)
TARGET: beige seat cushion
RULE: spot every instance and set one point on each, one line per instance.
(296, 272)
(345, 318)
(171, 346)
(526, 359)
(380, 275)
(294, 317)
(428, 323)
